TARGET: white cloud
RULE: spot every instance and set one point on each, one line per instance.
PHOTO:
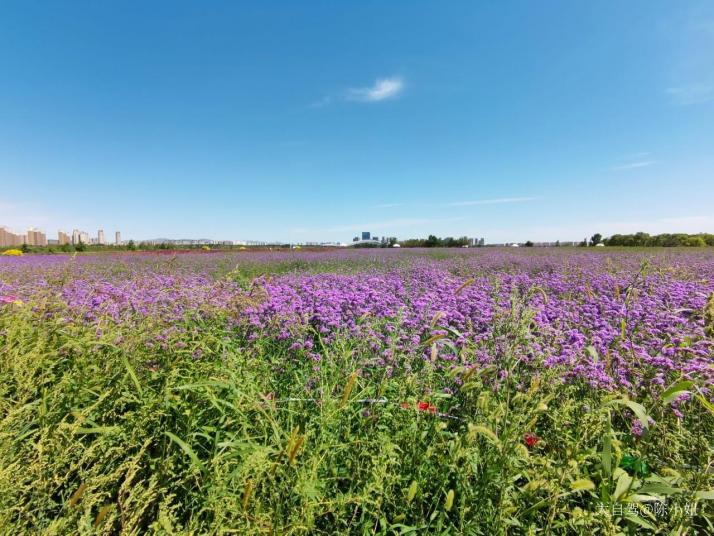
(382, 89)
(634, 165)
(691, 94)
(498, 201)
(324, 101)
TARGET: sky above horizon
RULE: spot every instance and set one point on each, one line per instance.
(314, 121)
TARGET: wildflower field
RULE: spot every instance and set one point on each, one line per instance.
(484, 391)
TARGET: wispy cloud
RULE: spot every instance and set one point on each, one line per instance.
(637, 156)
(634, 165)
(382, 89)
(324, 101)
(466, 203)
(691, 94)
(497, 201)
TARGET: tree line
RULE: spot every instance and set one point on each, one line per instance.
(434, 241)
(661, 240)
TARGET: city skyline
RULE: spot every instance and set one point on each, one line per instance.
(38, 237)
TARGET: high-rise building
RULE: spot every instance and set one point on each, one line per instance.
(80, 237)
(100, 237)
(62, 238)
(117, 238)
(36, 237)
(365, 235)
(8, 238)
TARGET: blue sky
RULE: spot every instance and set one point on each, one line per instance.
(315, 120)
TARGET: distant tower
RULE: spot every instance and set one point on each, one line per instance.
(100, 237)
(365, 235)
(35, 237)
(117, 238)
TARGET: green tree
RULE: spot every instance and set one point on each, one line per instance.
(432, 242)
(695, 242)
(595, 239)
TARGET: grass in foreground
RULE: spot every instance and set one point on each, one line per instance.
(212, 433)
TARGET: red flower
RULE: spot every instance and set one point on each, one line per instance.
(425, 406)
(531, 439)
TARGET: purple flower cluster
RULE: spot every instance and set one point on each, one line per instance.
(617, 321)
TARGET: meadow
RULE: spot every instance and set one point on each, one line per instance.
(480, 391)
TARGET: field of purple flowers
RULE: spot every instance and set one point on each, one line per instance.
(370, 392)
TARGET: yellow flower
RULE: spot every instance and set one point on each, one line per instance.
(13, 252)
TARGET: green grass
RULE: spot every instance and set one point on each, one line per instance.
(107, 437)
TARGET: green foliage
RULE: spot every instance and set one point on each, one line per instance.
(434, 241)
(709, 316)
(666, 240)
(101, 433)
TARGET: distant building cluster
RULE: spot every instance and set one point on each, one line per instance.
(35, 237)
(32, 237)
(82, 237)
(366, 238)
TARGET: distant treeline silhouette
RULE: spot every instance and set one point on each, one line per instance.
(661, 240)
(434, 241)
